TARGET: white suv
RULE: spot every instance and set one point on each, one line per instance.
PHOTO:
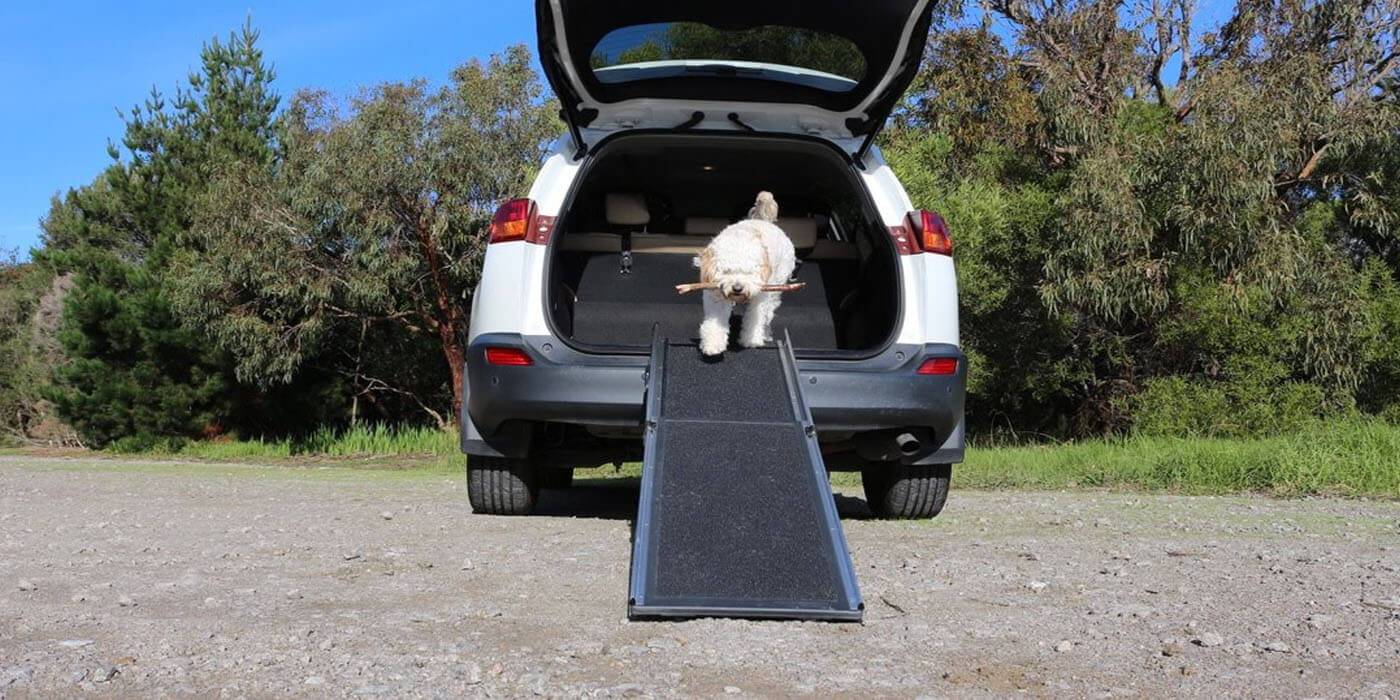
(678, 113)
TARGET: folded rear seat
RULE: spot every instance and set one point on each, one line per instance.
(613, 308)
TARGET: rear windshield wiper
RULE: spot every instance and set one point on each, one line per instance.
(734, 117)
(694, 119)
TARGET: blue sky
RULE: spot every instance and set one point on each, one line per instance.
(66, 67)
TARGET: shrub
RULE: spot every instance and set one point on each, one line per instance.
(1178, 406)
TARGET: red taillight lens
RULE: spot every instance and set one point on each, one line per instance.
(508, 357)
(939, 366)
(933, 233)
(513, 221)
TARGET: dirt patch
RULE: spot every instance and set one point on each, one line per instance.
(195, 579)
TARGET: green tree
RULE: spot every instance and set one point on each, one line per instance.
(1211, 237)
(28, 294)
(378, 215)
(134, 368)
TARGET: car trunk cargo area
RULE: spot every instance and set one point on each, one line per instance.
(647, 203)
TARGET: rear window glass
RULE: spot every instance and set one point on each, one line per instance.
(643, 44)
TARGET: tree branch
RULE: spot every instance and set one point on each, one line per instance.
(1312, 163)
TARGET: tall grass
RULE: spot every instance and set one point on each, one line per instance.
(1345, 457)
(382, 440)
(359, 441)
(1358, 458)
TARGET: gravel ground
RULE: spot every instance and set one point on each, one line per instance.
(177, 579)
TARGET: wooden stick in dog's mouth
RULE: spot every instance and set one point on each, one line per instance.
(697, 286)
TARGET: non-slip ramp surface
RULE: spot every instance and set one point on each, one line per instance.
(736, 517)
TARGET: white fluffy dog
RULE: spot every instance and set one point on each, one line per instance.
(747, 263)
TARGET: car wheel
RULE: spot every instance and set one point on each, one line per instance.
(501, 486)
(556, 478)
(900, 491)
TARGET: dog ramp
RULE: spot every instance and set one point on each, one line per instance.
(736, 517)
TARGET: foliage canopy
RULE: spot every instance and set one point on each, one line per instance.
(1197, 228)
(1185, 247)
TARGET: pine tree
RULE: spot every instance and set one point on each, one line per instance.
(134, 369)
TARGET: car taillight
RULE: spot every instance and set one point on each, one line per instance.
(932, 233)
(939, 366)
(513, 221)
(508, 357)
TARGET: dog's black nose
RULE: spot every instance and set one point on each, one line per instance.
(738, 289)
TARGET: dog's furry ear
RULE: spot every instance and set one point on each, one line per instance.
(706, 262)
(765, 208)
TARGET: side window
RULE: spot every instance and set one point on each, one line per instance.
(829, 227)
(837, 230)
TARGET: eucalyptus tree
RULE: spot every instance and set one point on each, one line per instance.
(368, 229)
(1216, 201)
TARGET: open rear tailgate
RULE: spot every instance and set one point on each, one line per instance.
(833, 67)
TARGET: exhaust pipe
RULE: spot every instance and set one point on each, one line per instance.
(908, 444)
(890, 445)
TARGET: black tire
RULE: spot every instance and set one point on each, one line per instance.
(500, 486)
(906, 492)
(556, 478)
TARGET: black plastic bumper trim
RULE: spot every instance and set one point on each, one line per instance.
(567, 386)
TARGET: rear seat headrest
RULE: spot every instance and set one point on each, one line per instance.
(627, 209)
(802, 231)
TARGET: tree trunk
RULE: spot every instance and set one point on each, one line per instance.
(447, 316)
(456, 356)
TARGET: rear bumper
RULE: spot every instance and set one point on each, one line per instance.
(566, 386)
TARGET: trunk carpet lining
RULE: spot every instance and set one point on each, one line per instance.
(613, 309)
